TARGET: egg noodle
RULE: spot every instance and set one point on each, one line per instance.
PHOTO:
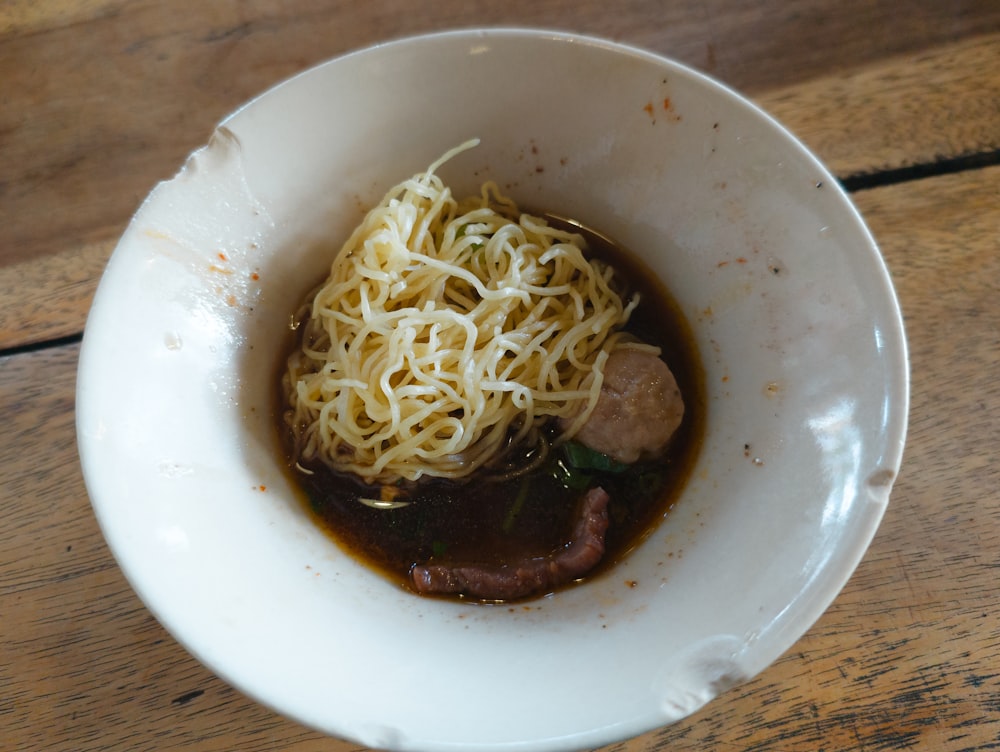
(446, 332)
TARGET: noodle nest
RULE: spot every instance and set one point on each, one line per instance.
(447, 332)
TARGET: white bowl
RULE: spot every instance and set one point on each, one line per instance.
(791, 306)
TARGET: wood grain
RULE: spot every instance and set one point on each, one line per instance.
(100, 104)
(913, 109)
(904, 659)
(53, 292)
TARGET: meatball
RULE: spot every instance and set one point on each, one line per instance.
(639, 408)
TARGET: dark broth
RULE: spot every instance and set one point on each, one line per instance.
(483, 521)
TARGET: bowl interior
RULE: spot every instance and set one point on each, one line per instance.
(794, 316)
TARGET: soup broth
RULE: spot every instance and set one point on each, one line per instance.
(488, 519)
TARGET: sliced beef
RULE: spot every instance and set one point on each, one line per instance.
(531, 576)
(639, 409)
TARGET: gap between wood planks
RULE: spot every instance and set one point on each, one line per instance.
(850, 183)
(944, 166)
(45, 344)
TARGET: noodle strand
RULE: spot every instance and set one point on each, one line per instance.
(446, 332)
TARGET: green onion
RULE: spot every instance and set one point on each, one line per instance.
(515, 508)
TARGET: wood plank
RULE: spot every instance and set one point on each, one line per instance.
(103, 99)
(25, 17)
(53, 292)
(120, 103)
(856, 122)
(914, 109)
(900, 661)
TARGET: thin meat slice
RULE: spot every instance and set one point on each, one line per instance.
(530, 576)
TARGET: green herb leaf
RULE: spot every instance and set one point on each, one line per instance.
(584, 458)
(570, 477)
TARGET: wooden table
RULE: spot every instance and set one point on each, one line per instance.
(99, 99)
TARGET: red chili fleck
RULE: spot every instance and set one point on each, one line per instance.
(666, 103)
(649, 108)
(254, 276)
(223, 256)
(741, 260)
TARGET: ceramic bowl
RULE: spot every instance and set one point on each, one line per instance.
(792, 310)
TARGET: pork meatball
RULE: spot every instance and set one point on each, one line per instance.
(639, 408)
